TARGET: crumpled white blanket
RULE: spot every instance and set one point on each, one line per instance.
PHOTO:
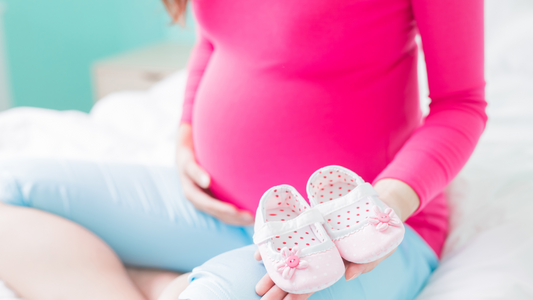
(136, 126)
(488, 253)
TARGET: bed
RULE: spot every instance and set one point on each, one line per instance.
(488, 253)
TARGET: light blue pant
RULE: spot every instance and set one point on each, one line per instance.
(141, 212)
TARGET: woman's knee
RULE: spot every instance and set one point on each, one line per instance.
(24, 180)
(10, 191)
(231, 275)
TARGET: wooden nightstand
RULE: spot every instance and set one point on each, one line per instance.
(138, 69)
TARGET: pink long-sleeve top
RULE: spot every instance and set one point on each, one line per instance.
(280, 88)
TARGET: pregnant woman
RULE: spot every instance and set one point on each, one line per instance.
(276, 90)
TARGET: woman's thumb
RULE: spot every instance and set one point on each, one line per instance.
(198, 175)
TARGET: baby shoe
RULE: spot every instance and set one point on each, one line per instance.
(362, 227)
(297, 252)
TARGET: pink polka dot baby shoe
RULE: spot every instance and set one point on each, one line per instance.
(359, 223)
(297, 252)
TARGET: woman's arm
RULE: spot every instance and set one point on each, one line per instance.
(194, 179)
(452, 37)
(198, 62)
(452, 33)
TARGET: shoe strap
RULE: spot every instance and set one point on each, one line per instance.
(361, 191)
(277, 228)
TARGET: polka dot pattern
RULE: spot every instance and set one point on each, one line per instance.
(283, 206)
(350, 216)
(331, 185)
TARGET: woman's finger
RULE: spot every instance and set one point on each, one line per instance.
(353, 270)
(264, 285)
(267, 288)
(257, 255)
(223, 211)
(208, 204)
(197, 174)
(275, 293)
(297, 296)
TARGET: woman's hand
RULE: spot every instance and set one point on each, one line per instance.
(196, 181)
(270, 291)
(397, 195)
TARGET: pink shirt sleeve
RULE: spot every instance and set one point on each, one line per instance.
(453, 43)
(198, 61)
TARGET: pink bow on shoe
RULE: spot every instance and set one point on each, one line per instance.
(292, 262)
(383, 220)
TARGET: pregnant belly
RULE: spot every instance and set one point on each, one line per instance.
(253, 131)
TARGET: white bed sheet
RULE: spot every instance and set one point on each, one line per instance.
(488, 252)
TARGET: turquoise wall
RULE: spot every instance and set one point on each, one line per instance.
(51, 44)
